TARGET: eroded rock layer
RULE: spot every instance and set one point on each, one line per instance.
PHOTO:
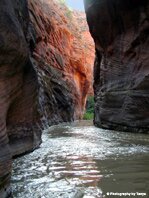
(61, 60)
(87, 44)
(121, 78)
(18, 89)
(44, 78)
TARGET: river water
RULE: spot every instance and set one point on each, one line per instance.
(81, 161)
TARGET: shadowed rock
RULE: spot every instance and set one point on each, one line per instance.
(121, 76)
(18, 89)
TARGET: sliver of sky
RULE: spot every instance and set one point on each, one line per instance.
(75, 4)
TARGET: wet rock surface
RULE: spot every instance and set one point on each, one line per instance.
(120, 30)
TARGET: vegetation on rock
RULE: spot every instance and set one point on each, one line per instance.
(89, 114)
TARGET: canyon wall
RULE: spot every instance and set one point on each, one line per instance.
(121, 75)
(44, 79)
(19, 130)
(60, 58)
(87, 44)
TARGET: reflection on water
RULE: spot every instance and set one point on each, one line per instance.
(81, 161)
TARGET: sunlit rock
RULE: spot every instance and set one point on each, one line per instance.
(60, 54)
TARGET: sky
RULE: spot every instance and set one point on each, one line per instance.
(75, 4)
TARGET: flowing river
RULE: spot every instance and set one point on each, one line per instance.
(81, 161)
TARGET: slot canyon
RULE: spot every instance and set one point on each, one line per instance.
(52, 59)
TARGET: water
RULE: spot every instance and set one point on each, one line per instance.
(81, 161)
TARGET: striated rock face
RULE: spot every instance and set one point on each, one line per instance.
(121, 78)
(87, 43)
(18, 89)
(44, 78)
(60, 60)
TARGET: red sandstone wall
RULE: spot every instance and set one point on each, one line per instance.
(88, 44)
(59, 45)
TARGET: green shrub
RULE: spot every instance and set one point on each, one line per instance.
(89, 114)
(69, 13)
(63, 2)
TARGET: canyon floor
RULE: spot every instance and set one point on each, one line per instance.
(71, 164)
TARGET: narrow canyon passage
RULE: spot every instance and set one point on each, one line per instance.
(59, 65)
(81, 161)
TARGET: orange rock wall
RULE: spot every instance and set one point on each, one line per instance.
(88, 44)
(59, 46)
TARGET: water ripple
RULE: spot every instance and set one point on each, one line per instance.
(78, 160)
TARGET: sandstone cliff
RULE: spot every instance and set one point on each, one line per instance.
(121, 33)
(43, 76)
(60, 58)
(18, 89)
(87, 44)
